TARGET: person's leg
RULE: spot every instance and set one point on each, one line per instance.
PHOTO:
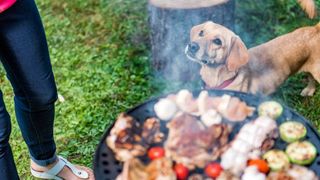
(8, 169)
(24, 54)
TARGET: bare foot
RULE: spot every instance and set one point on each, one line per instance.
(65, 173)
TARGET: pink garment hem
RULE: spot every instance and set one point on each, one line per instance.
(5, 4)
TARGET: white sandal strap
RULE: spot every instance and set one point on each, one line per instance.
(56, 168)
(44, 175)
(78, 172)
(54, 171)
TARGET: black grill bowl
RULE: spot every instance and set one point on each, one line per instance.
(106, 167)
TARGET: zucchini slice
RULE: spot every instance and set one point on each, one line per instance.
(301, 152)
(271, 109)
(277, 160)
(292, 131)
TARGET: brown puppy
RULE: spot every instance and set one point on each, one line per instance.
(227, 64)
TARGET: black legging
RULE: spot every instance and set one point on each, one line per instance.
(25, 57)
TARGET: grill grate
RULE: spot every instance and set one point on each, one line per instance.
(106, 167)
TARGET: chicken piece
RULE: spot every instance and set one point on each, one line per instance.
(165, 108)
(267, 124)
(161, 169)
(127, 139)
(232, 108)
(151, 131)
(255, 154)
(184, 138)
(250, 138)
(238, 110)
(133, 169)
(189, 142)
(256, 132)
(234, 161)
(242, 146)
(222, 141)
(123, 138)
(252, 173)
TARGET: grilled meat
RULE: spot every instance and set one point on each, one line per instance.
(159, 169)
(232, 108)
(127, 139)
(252, 136)
(189, 142)
(151, 131)
(133, 169)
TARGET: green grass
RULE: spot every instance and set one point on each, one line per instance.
(100, 56)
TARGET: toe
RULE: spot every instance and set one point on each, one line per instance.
(89, 171)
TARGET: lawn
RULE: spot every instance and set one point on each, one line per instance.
(100, 55)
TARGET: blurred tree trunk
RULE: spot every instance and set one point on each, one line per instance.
(170, 24)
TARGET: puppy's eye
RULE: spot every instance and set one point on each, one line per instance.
(217, 41)
(201, 33)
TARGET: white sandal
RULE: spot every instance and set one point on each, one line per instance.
(54, 171)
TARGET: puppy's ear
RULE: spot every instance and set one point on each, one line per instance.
(238, 55)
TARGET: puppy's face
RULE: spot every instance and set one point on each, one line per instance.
(209, 43)
(216, 45)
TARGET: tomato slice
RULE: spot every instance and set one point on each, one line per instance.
(156, 152)
(261, 164)
(213, 170)
(181, 171)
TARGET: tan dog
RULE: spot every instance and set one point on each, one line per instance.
(227, 64)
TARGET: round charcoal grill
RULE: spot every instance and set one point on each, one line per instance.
(106, 167)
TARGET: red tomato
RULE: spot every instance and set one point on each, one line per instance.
(213, 170)
(181, 171)
(261, 164)
(155, 153)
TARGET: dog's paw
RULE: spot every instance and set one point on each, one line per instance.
(308, 92)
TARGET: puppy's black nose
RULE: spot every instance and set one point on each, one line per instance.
(194, 47)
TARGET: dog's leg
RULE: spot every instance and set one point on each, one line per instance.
(311, 87)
